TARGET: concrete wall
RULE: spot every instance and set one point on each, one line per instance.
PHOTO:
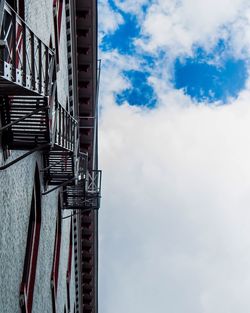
(16, 185)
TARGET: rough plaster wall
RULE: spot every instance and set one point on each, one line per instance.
(16, 184)
(42, 292)
(39, 16)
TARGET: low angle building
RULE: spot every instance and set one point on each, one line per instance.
(50, 183)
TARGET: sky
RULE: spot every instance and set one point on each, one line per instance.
(174, 148)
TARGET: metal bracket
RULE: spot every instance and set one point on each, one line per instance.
(78, 212)
(61, 185)
(2, 43)
(42, 147)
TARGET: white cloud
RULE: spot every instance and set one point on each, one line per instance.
(178, 25)
(130, 6)
(174, 220)
(175, 211)
(112, 79)
(109, 20)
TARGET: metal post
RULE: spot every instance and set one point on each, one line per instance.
(13, 47)
(59, 124)
(24, 55)
(46, 78)
(2, 49)
(32, 61)
(40, 68)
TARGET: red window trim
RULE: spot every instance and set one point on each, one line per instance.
(57, 9)
(56, 258)
(59, 18)
(68, 275)
(32, 245)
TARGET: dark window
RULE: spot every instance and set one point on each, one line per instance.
(56, 258)
(32, 244)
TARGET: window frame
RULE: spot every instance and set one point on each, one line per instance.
(32, 247)
(57, 17)
(56, 258)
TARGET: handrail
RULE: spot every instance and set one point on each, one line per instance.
(93, 182)
(8, 6)
(85, 194)
(65, 125)
(25, 59)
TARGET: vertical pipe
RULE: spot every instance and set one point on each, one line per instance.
(24, 54)
(46, 78)
(13, 46)
(40, 68)
(59, 123)
(64, 129)
(32, 61)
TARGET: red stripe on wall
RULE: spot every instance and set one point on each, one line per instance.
(32, 245)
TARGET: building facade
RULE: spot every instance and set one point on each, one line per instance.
(49, 178)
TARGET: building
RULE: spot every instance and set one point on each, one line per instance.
(49, 178)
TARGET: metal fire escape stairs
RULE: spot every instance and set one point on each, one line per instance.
(31, 117)
(33, 120)
(26, 67)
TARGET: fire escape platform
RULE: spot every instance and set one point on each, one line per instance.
(26, 62)
(25, 122)
(9, 88)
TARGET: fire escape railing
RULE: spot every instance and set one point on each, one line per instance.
(26, 63)
(86, 194)
(65, 129)
(32, 119)
(60, 162)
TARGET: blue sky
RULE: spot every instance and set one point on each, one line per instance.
(174, 149)
(211, 76)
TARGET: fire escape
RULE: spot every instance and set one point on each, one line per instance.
(33, 120)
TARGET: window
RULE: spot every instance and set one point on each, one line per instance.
(56, 258)
(57, 9)
(32, 244)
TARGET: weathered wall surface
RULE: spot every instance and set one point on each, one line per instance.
(16, 185)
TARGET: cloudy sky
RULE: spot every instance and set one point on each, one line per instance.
(175, 151)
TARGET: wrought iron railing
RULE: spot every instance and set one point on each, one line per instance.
(65, 128)
(86, 194)
(24, 59)
(93, 182)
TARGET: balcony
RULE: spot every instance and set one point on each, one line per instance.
(25, 122)
(60, 164)
(86, 194)
(31, 123)
(26, 63)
